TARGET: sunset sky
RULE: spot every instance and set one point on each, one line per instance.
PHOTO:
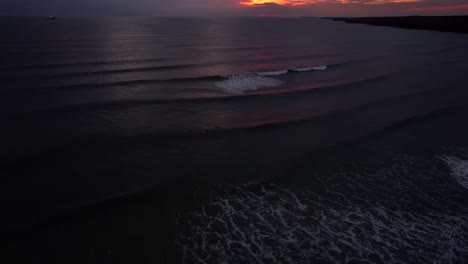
(233, 7)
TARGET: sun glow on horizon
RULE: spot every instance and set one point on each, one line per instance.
(308, 2)
(278, 2)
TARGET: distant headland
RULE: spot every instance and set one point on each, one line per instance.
(458, 24)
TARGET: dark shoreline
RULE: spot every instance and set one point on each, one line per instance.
(457, 24)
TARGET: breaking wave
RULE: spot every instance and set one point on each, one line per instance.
(273, 73)
(318, 68)
(228, 83)
(238, 84)
(281, 72)
(353, 216)
(459, 169)
(249, 82)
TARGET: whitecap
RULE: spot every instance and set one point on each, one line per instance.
(316, 68)
(239, 84)
(459, 169)
(273, 73)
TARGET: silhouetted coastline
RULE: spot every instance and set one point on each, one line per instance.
(458, 24)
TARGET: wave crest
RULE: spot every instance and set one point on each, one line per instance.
(238, 84)
(250, 82)
(317, 68)
(459, 169)
(273, 73)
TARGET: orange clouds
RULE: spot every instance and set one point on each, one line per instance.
(439, 8)
(306, 2)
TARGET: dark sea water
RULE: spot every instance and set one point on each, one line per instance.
(240, 140)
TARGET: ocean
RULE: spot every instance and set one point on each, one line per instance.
(232, 140)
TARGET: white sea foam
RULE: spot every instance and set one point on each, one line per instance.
(459, 169)
(273, 73)
(361, 216)
(250, 82)
(316, 68)
(276, 225)
(238, 84)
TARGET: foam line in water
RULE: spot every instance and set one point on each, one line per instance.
(238, 84)
(272, 73)
(281, 72)
(250, 82)
(268, 223)
(316, 68)
(459, 169)
(277, 225)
